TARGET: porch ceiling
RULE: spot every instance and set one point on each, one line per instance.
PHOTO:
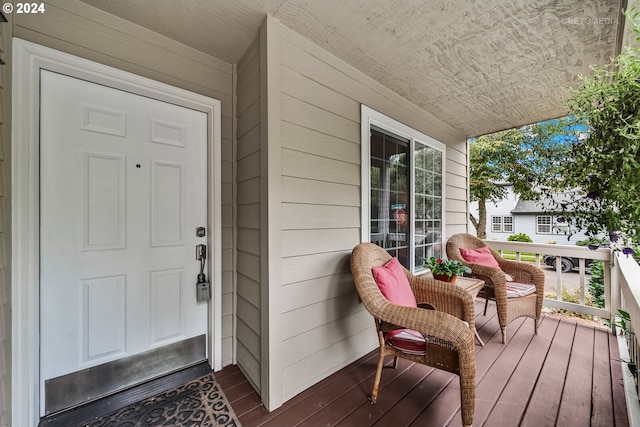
(480, 65)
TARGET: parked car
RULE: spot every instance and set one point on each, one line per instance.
(567, 263)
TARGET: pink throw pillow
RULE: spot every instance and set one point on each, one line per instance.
(394, 284)
(482, 256)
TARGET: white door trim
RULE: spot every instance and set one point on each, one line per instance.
(28, 59)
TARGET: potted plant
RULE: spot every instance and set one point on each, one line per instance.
(445, 269)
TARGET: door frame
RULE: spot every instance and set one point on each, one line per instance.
(28, 60)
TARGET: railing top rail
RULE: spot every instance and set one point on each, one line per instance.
(552, 249)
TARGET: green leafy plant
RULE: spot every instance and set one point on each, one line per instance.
(600, 179)
(446, 267)
(572, 296)
(596, 283)
(519, 237)
(525, 157)
(623, 320)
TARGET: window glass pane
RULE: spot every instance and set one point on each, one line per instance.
(544, 224)
(560, 227)
(437, 208)
(399, 166)
(390, 206)
(496, 224)
(508, 224)
(427, 173)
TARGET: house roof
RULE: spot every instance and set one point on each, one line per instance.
(479, 66)
(528, 207)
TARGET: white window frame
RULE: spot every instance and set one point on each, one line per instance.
(495, 223)
(371, 117)
(538, 224)
(505, 224)
(502, 224)
(560, 228)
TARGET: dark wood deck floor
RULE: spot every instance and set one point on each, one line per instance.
(567, 375)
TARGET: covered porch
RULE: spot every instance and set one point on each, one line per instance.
(290, 78)
(568, 374)
(574, 372)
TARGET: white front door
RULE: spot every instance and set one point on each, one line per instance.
(123, 182)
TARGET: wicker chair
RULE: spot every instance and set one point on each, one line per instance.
(495, 280)
(449, 340)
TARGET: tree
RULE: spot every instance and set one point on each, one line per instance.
(602, 175)
(528, 158)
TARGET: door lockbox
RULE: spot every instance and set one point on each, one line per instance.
(203, 288)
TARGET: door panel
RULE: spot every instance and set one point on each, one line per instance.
(123, 188)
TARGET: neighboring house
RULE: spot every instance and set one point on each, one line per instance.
(511, 216)
(123, 150)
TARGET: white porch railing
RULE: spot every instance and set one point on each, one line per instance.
(611, 291)
(628, 272)
(621, 290)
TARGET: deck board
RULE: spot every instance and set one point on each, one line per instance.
(411, 405)
(621, 418)
(568, 374)
(395, 392)
(602, 385)
(543, 404)
(350, 400)
(575, 406)
(514, 398)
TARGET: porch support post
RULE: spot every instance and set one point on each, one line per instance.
(613, 298)
(270, 215)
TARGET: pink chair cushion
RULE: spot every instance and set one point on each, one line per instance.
(482, 256)
(394, 284)
(407, 341)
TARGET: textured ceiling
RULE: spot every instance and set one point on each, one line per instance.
(478, 65)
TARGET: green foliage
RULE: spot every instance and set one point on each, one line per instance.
(622, 320)
(573, 297)
(591, 241)
(596, 283)
(445, 266)
(525, 157)
(519, 237)
(601, 179)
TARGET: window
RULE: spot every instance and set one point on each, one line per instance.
(543, 224)
(547, 224)
(560, 226)
(402, 191)
(507, 225)
(502, 224)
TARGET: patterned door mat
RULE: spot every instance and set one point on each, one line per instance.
(198, 403)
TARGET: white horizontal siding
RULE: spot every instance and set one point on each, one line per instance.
(302, 190)
(248, 202)
(324, 325)
(318, 265)
(316, 290)
(299, 138)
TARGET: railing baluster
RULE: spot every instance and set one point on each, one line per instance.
(582, 270)
(559, 278)
(559, 252)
